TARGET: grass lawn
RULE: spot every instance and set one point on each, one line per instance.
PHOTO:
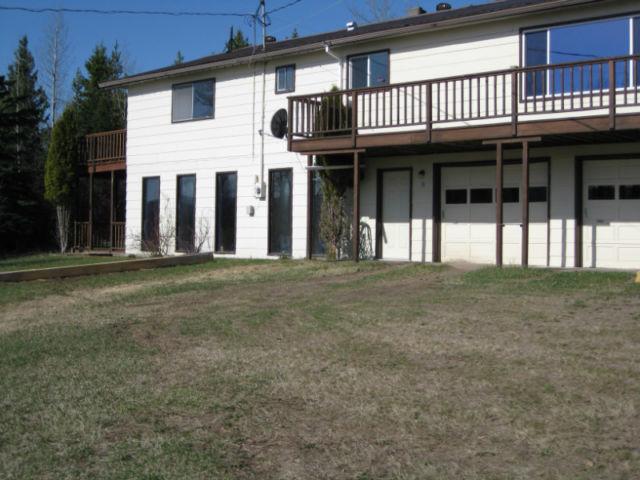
(310, 370)
(48, 260)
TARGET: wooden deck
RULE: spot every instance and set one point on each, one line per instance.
(105, 151)
(546, 101)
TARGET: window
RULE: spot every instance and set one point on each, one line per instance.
(186, 213)
(369, 70)
(481, 195)
(602, 192)
(511, 195)
(150, 213)
(456, 196)
(285, 79)
(193, 101)
(226, 197)
(537, 194)
(280, 211)
(579, 42)
(629, 192)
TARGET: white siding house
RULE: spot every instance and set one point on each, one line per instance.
(421, 198)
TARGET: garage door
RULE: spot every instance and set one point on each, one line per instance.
(468, 229)
(611, 216)
(395, 241)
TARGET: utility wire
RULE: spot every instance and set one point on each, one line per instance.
(287, 5)
(127, 12)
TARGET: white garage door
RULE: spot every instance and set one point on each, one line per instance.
(468, 229)
(396, 215)
(611, 216)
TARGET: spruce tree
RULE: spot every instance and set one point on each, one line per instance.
(98, 109)
(235, 41)
(24, 216)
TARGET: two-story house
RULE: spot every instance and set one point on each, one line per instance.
(506, 132)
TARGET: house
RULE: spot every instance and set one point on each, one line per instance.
(503, 133)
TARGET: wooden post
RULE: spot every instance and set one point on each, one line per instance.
(514, 104)
(429, 112)
(354, 119)
(90, 240)
(612, 95)
(289, 123)
(111, 213)
(355, 237)
(309, 207)
(499, 205)
(525, 203)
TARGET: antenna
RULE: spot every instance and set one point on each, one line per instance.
(263, 20)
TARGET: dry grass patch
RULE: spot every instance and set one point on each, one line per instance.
(293, 370)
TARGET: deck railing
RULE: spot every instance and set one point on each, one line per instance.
(101, 236)
(498, 97)
(105, 147)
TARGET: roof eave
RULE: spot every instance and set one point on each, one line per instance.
(318, 46)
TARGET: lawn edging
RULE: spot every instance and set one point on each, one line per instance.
(106, 267)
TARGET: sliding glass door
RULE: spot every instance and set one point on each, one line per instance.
(226, 201)
(150, 213)
(280, 205)
(186, 213)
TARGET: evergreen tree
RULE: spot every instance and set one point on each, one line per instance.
(100, 110)
(179, 58)
(19, 207)
(24, 218)
(60, 171)
(235, 41)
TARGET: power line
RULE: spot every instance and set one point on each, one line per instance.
(287, 5)
(128, 12)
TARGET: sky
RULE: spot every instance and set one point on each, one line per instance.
(152, 41)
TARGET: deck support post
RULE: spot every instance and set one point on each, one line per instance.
(111, 198)
(525, 203)
(309, 206)
(499, 203)
(90, 239)
(355, 237)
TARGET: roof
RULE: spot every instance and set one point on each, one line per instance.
(412, 24)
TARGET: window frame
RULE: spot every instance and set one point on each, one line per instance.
(143, 244)
(195, 199)
(368, 55)
(632, 82)
(293, 86)
(192, 119)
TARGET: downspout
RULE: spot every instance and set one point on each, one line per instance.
(264, 104)
(328, 51)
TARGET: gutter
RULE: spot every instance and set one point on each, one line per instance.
(353, 39)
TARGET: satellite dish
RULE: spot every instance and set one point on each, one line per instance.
(279, 123)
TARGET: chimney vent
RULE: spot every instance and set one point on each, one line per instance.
(415, 11)
(351, 26)
(270, 39)
(441, 7)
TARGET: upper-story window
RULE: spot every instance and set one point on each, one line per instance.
(369, 69)
(580, 42)
(193, 101)
(285, 79)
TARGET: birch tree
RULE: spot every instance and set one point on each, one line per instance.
(55, 63)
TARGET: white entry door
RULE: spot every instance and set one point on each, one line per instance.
(396, 215)
(468, 229)
(611, 216)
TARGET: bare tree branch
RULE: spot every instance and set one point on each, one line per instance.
(373, 10)
(55, 62)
